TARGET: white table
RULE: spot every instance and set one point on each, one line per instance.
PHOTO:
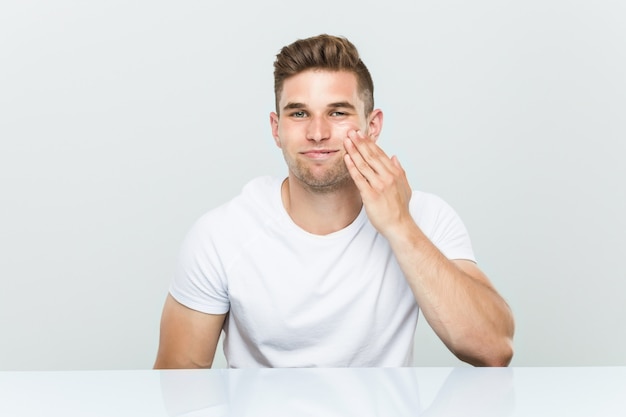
(390, 392)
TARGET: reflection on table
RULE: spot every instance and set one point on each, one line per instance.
(390, 392)
(336, 392)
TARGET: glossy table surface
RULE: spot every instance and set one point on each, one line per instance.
(393, 392)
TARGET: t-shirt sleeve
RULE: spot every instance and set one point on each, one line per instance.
(443, 226)
(199, 280)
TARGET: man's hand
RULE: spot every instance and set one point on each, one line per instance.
(456, 298)
(382, 182)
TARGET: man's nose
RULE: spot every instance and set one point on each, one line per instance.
(318, 129)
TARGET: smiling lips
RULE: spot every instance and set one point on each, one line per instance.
(319, 153)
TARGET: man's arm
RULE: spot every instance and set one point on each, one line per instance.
(457, 299)
(188, 337)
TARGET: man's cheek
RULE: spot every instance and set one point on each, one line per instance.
(345, 126)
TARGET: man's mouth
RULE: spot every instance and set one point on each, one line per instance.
(319, 153)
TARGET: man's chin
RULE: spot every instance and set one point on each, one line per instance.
(330, 185)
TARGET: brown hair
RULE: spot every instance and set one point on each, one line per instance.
(323, 52)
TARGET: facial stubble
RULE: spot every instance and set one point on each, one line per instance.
(330, 179)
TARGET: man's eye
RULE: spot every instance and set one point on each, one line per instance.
(337, 113)
(298, 114)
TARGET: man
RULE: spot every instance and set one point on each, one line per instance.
(328, 266)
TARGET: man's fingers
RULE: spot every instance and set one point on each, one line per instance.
(358, 178)
(358, 159)
(372, 162)
(369, 152)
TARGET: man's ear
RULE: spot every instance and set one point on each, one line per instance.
(274, 125)
(375, 124)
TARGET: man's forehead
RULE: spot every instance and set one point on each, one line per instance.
(318, 76)
(325, 87)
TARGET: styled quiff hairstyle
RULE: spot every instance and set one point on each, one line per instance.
(323, 52)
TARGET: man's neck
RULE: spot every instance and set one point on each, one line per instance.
(321, 213)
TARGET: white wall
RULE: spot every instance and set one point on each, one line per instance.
(122, 121)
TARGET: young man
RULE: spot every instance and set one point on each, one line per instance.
(330, 266)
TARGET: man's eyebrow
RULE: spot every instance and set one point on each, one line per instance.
(300, 106)
(291, 106)
(342, 104)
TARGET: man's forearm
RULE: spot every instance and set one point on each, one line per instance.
(457, 300)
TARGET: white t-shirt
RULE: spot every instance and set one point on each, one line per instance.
(296, 299)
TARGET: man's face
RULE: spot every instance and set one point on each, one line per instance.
(317, 109)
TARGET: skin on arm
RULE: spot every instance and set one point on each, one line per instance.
(188, 337)
(456, 298)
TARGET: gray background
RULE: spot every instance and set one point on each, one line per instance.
(121, 122)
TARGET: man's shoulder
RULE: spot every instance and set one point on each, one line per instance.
(430, 210)
(427, 202)
(256, 200)
(261, 188)
(443, 226)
